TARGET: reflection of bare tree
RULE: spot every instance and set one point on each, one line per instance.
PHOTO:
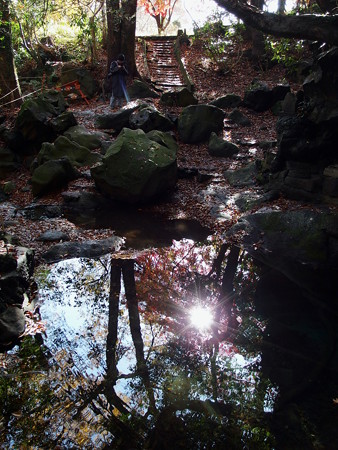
(126, 268)
(229, 273)
(135, 326)
(114, 294)
(223, 305)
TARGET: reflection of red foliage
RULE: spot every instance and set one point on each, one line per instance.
(171, 281)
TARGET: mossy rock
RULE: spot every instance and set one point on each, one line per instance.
(65, 148)
(197, 122)
(52, 175)
(137, 168)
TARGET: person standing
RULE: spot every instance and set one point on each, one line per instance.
(118, 71)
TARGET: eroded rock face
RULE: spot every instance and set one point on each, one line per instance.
(197, 122)
(71, 72)
(307, 138)
(137, 167)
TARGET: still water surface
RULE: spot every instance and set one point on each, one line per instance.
(158, 348)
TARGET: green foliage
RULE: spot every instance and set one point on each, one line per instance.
(67, 25)
(288, 52)
(217, 39)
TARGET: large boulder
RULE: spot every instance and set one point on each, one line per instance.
(12, 325)
(137, 168)
(34, 120)
(258, 96)
(86, 138)
(220, 147)
(179, 97)
(52, 175)
(63, 122)
(197, 122)
(236, 116)
(164, 139)
(65, 148)
(148, 118)
(227, 101)
(302, 244)
(279, 92)
(139, 89)
(115, 120)
(86, 249)
(245, 176)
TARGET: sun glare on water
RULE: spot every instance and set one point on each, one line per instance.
(201, 317)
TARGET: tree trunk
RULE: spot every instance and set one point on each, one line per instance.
(113, 30)
(9, 83)
(128, 36)
(121, 26)
(281, 6)
(312, 27)
(159, 24)
(104, 27)
(93, 52)
(257, 37)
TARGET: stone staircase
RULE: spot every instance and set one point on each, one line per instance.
(163, 66)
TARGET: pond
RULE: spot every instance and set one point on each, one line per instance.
(140, 228)
(191, 346)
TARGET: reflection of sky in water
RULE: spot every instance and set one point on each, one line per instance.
(74, 305)
(70, 314)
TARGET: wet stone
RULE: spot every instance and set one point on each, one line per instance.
(53, 235)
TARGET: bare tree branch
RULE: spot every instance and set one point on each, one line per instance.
(312, 27)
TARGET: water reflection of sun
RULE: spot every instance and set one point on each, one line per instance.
(201, 317)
